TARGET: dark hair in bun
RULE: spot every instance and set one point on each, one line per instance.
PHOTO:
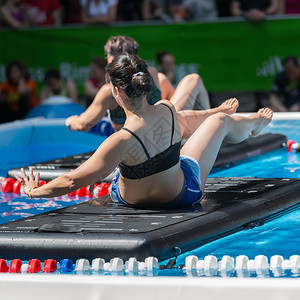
(130, 74)
(121, 44)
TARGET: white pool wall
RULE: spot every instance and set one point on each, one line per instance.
(49, 287)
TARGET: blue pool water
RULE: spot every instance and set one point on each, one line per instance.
(281, 236)
(278, 163)
(35, 140)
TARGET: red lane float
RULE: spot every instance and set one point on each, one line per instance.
(50, 266)
(293, 145)
(34, 266)
(15, 266)
(10, 185)
(3, 266)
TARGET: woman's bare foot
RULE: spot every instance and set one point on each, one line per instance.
(229, 106)
(264, 117)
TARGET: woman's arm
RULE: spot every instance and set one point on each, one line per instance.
(96, 168)
(274, 8)
(235, 8)
(281, 7)
(95, 112)
(57, 17)
(11, 21)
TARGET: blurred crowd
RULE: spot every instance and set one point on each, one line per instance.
(19, 93)
(24, 13)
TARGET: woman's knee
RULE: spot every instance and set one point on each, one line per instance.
(193, 78)
(219, 118)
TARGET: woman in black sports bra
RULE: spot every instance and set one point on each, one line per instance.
(153, 171)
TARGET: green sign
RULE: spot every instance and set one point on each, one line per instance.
(230, 56)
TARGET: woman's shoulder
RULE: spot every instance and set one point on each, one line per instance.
(121, 142)
(165, 102)
(123, 135)
(118, 141)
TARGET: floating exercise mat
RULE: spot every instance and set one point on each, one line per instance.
(229, 153)
(99, 228)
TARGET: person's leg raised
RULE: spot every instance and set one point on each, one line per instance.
(206, 141)
(190, 94)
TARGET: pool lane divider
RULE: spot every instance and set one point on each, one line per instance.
(101, 228)
(293, 146)
(115, 266)
(208, 266)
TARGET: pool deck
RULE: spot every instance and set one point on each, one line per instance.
(49, 287)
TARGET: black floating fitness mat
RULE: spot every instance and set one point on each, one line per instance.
(229, 153)
(103, 229)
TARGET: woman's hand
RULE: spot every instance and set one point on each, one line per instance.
(74, 123)
(29, 184)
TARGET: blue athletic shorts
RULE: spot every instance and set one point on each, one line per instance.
(190, 195)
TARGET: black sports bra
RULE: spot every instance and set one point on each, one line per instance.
(158, 163)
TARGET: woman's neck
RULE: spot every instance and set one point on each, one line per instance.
(137, 112)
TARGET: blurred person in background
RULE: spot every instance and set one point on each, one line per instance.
(13, 14)
(18, 93)
(254, 10)
(193, 10)
(156, 10)
(167, 66)
(285, 93)
(44, 12)
(177, 10)
(56, 86)
(98, 11)
(200, 10)
(143, 10)
(96, 80)
(71, 11)
(134, 10)
(290, 7)
(130, 10)
(223, 7)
